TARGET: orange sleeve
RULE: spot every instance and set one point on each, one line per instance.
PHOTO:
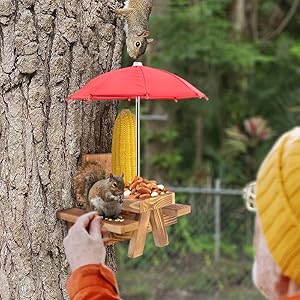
(292, 298)
(92, 282)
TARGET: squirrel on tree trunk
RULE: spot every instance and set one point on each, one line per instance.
(98, 191)
(136, 13)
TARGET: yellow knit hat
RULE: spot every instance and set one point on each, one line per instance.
(278, 202)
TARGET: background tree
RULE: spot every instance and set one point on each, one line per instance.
(47, 50)
(245, 56)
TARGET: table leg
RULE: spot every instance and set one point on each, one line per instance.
(159, 230)
(137, 241)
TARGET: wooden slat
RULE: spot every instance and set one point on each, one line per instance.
(131, 206)
(121, 227)
(137, 241)
(160, 235)
(157, 202)
(70, 215)
(116, 238)
(140, 206)
(170, 220)
(177, 210)
(104, 158)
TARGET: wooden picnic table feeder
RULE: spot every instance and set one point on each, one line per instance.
(140, 216)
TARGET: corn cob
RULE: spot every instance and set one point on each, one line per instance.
(124, 146)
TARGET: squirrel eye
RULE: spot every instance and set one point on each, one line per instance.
(137, 44)
(114, 184)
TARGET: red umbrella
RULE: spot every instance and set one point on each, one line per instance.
(137, 82)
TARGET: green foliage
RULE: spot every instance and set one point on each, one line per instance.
(295, 50)
(164, 136)
(167, 160)
(243, 77)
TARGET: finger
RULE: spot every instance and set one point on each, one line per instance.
(106, 241)
(85, 219)
(95, 228)
(105, 235)
(104, 231)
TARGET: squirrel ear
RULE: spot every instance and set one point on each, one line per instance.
(144, 34)
(111, 176)
(150, 41)
(122, 175)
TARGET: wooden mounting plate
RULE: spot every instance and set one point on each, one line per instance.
(104, 158)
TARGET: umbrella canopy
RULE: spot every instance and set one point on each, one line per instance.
(137, 81)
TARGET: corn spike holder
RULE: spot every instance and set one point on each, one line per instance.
(124, 145)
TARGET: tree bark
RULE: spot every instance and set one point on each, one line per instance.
(48, 49)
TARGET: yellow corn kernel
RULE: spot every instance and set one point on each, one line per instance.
(124, 145)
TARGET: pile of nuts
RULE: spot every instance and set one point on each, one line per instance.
(141, 188)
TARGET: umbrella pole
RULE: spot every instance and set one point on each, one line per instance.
(137, 118)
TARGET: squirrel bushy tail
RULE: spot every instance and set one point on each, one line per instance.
(87, 175)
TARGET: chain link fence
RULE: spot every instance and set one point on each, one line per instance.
(209, 256)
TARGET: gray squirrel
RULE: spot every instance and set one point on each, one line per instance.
(136, 14)
(100, 192)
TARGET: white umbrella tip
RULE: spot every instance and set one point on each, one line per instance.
(137, 64)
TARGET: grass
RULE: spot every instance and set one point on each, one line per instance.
(189, 278)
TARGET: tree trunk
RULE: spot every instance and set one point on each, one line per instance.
(198, 142)
(48, 49)
(254, 19)
(239, 17)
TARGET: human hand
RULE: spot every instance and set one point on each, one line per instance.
(85, 242)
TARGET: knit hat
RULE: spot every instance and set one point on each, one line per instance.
(278, 202)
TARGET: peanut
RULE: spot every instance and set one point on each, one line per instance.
(137, 178)
(153, 181)
(143, 190)
(144, 196)
(152, 186)
(134, 184)
(142, 184)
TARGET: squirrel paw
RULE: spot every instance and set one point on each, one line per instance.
(121, 199)
(81, 199)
